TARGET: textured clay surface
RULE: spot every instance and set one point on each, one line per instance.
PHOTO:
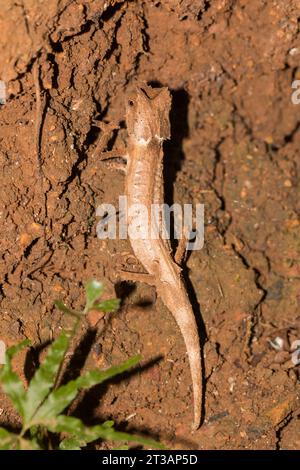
(229, 64)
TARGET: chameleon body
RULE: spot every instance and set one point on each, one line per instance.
(147, 118)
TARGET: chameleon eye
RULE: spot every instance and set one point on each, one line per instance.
(131, 103)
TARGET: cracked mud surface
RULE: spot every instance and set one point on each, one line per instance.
(234, 147)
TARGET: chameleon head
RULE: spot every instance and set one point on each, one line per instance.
(147, 114)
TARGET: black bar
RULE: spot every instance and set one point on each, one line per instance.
(135, 459)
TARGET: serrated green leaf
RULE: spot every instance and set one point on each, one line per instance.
(108, 424)
(13, 350)
(10, 381)
(34, 430)
(44, 378)
(71, 443)
(70, 425)
(4, 433)
(7, 439)
(93, 289)
(59, 399)
(94, 433)
(83, 435)
(13, 387)
(108, 305)
(61, 306)
(63, 423)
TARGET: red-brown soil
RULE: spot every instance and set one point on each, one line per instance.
(235, 147)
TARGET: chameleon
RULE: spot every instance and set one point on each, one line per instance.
(148, 125)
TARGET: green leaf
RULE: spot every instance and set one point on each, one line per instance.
(63, 308)
(95, 377)
(63, 423)
(108, 424)
(11, 383)
(13, 350)
(100, 431)
(4, 433)
(7, 439)
(59, 399)
(82, 435)
(70, 425)
(93, 290)
(108, 305)
(71, 443)
(44, 378)
(34, 431)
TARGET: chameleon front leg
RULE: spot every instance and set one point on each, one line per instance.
(107, 130)
(116, 159)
